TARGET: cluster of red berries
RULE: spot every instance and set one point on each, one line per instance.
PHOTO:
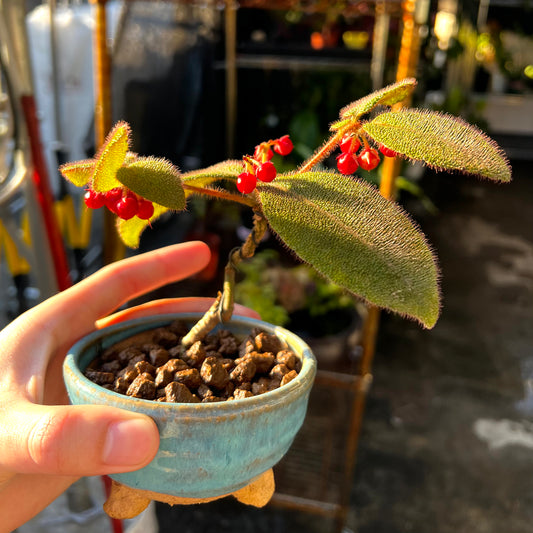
(122, 202)
(260, 167)
(368, 158)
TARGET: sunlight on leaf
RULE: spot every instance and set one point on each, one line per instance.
(79, 173)
(347, 231)
(111, 157)
(130, 230)
(442, 141)
(389, 95)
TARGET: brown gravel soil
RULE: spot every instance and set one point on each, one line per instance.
(154, 365)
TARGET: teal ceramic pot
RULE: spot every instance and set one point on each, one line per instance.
(206, 449)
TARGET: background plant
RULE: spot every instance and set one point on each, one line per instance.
(276, 291)
(338, 224)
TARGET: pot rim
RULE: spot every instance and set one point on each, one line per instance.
(297, 386)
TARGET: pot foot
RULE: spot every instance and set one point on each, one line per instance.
(124, 502)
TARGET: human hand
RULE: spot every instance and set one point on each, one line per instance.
(46, 445)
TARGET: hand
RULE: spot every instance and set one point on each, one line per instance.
(45, 445)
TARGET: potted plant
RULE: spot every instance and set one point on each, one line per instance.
(341, 226)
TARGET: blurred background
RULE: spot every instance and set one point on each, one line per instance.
(408, 430)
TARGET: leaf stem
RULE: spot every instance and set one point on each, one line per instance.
(221, 195)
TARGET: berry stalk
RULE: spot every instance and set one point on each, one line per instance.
(323, 152)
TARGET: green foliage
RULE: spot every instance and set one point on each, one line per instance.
(154, 179)
(226, 170)
(80, 173)
(441, 141)
(256, 290)
(340, 226)
(276, 291)
(357, 239)
(388, 96)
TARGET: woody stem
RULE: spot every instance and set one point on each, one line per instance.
(222, 308)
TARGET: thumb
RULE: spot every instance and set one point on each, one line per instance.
(77, 440)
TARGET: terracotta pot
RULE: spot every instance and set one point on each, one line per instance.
(206, 449)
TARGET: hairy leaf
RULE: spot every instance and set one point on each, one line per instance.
(130, 230)
(441, 141)
(389, 95)
(79, 173)
(352, 235)
(111, 157)
(155, 179)
(202, 178)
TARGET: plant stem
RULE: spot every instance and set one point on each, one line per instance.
(222, 308)
(221, 195)
(321, 153)
(327, 147)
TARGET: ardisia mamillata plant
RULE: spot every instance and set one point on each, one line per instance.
(340, 225)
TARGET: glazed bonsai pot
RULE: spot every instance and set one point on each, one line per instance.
(206, 449)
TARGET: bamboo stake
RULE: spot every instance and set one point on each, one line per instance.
(113, 248)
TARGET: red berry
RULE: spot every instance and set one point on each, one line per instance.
(112, 197)
(93, 199)
(262, 153)
(349, 144)
(266, 172)
(369, 159)
(246, 182)
(283, 145)
(127, 207)
(347, 163)
(146, 209)
(387, 151)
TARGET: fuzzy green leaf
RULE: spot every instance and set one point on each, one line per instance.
(442, 141)
(130, 230)
(352, 235)
(389, 95)
(155, 179)
(206, 176)
(111, 157)
(79, 173)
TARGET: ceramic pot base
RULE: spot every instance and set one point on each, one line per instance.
(124, 502)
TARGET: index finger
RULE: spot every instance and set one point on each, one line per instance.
(69, 315)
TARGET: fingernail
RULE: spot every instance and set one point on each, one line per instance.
(129, 442)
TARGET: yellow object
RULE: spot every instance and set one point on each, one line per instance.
(76, 232)
(16, 263)
(355, 40)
